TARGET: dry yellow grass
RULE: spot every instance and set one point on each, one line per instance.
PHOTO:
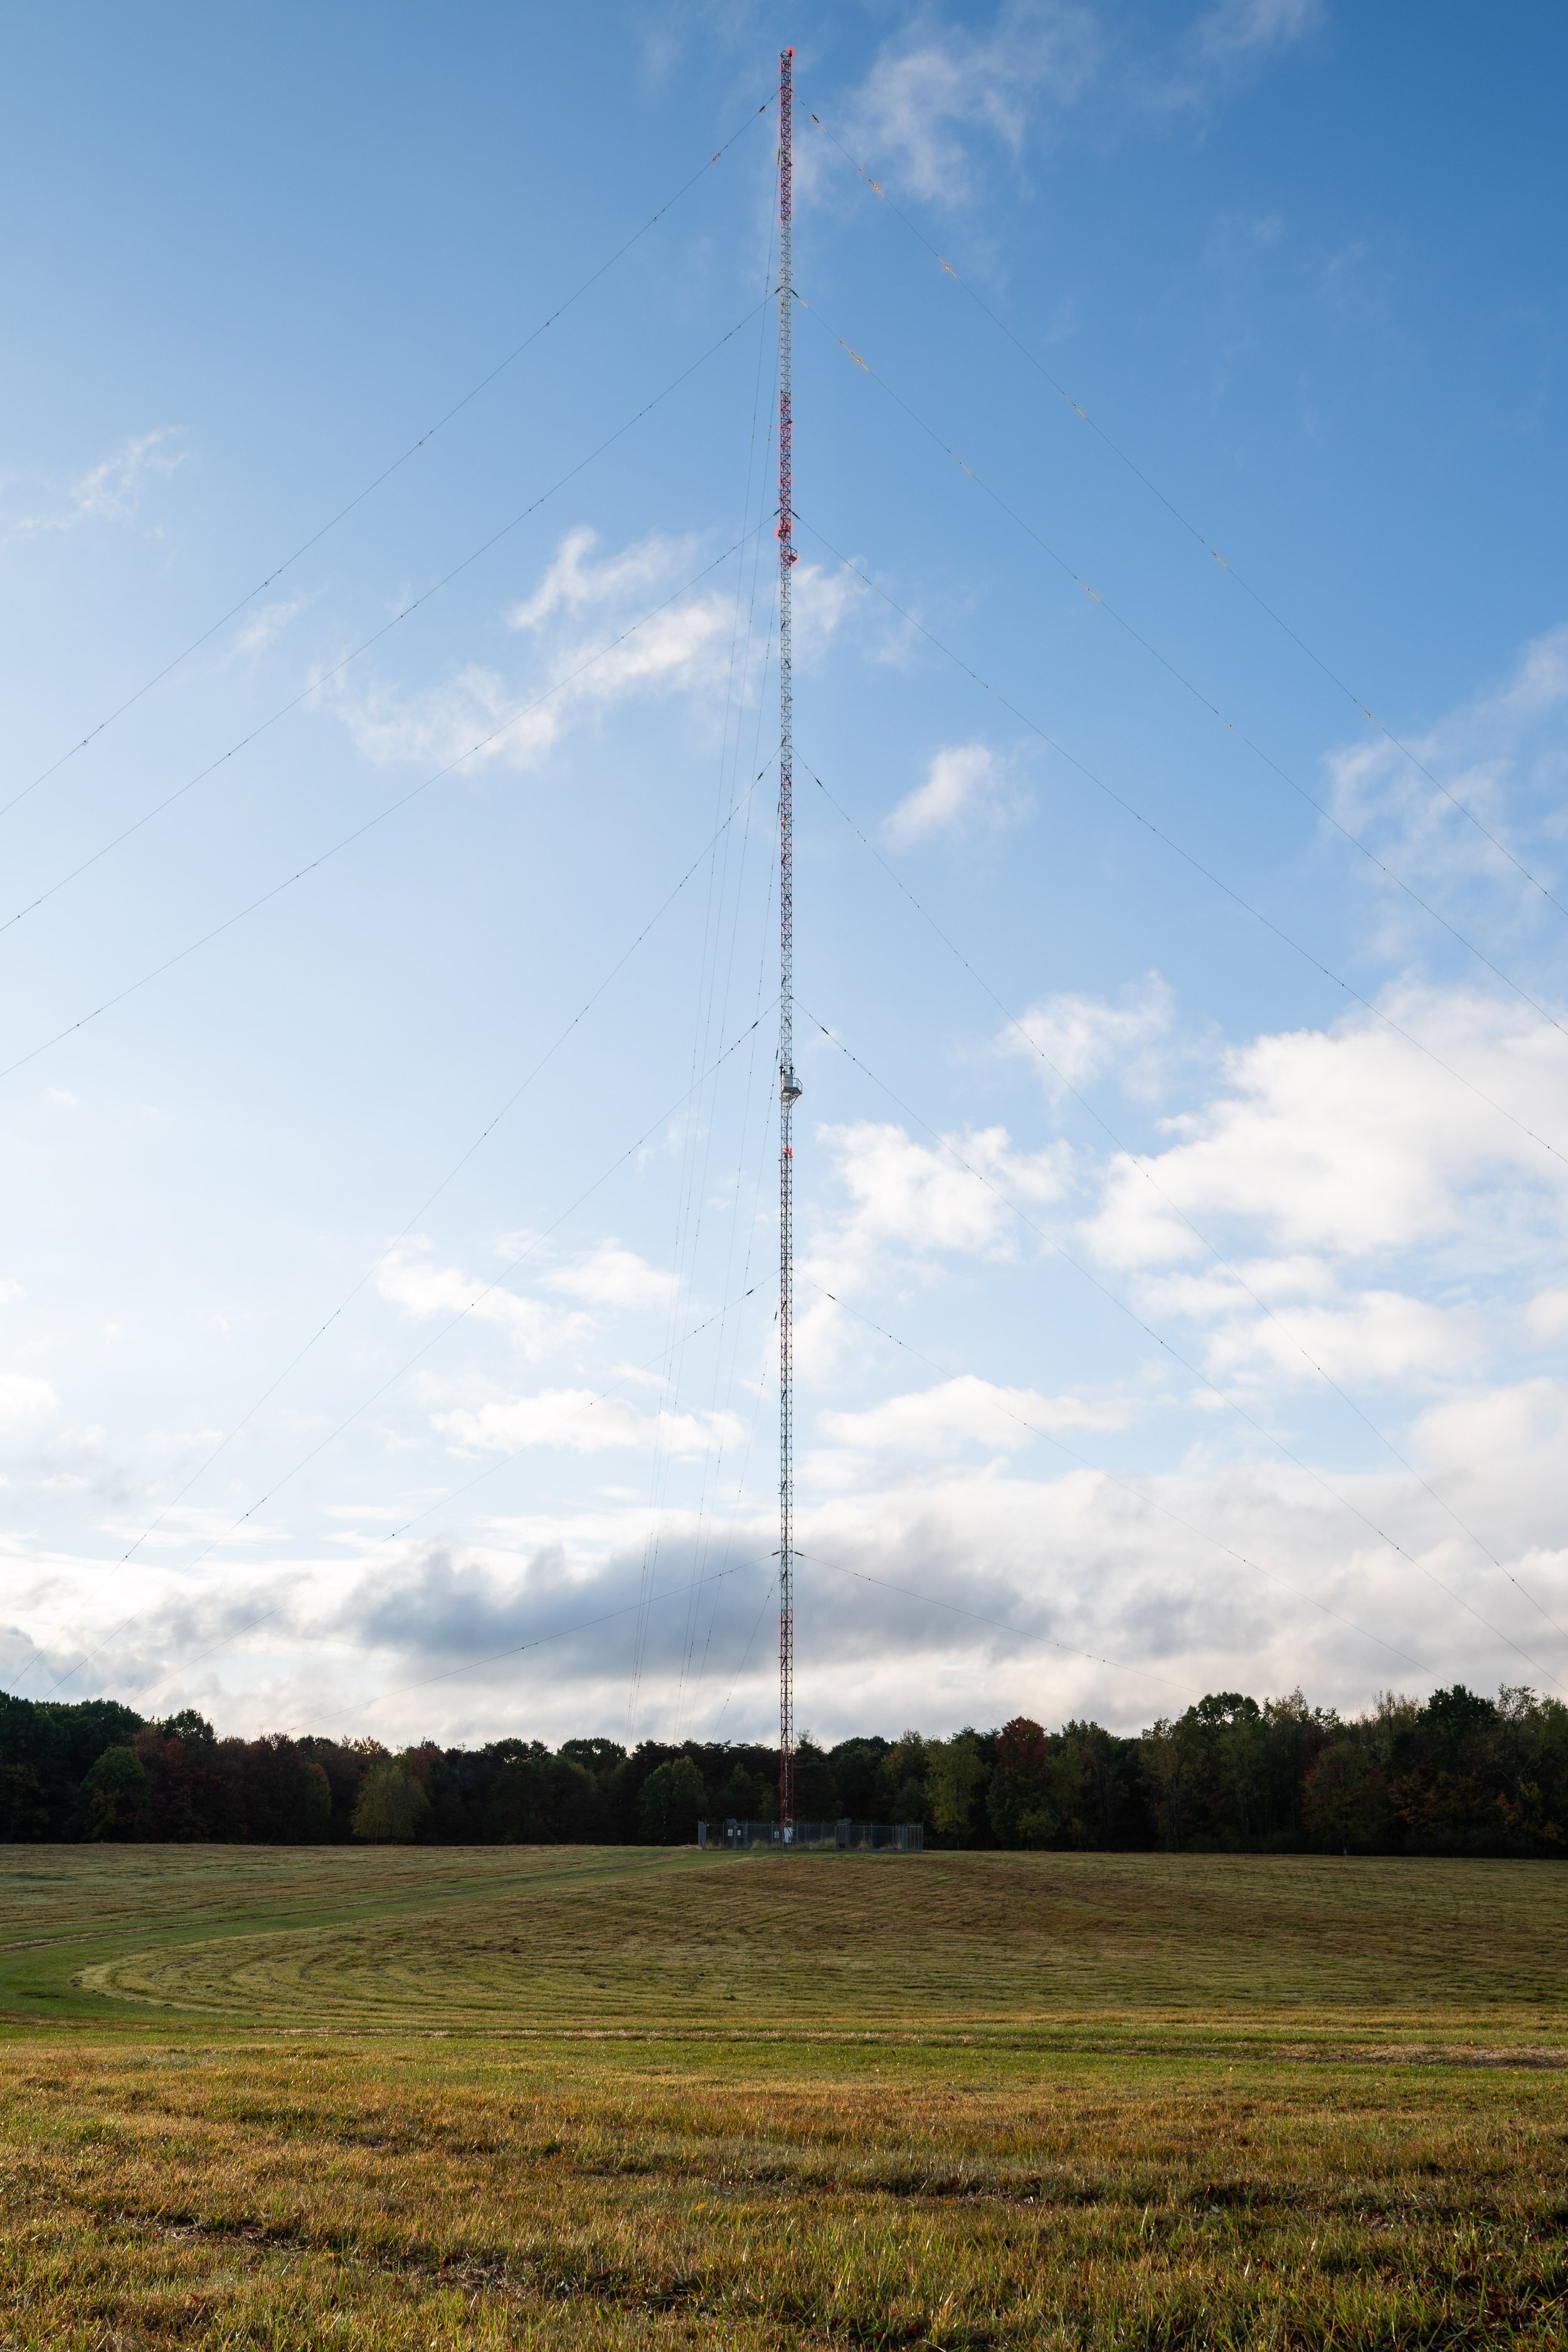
(602, 2098)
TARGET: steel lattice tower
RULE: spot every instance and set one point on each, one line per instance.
(789, 1089)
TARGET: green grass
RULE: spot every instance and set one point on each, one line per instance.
(618, 2097)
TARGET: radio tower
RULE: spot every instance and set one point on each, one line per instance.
(789, 1088)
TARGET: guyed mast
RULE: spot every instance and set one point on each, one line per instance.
(789, 1086)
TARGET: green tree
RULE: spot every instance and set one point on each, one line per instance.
(315, 1802)
(520, 1811)
(577, 1809)
(22, 1812)
(902, 1775)
(393, 1807)
(1345, 1803)
(116, 1793)
(598, 1756)
(193, 1728)
(815, 1788)
(1239, 1749)
(1069, 1808)
(1169, 1770)
(856, 1766)
(1098, 1788)
(672, 1796)
(741, 1798)
(1206, 1773)
(1293, 1737)
(1019, 1799)
(1531, 1747)
(955, 1771)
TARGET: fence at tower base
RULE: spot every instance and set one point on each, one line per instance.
(851, 1837)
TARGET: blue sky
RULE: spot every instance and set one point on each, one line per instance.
(1182, 1164)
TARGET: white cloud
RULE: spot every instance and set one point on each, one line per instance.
(1547, 1314)
(1218, 1290)
(583, 1423)
(111, 491)
(407, 1279)
(1246, 29)
(966, 786)
(935, 89)
(917, 1197)
(1378, 1336)
(1093, 1565)
(474, 712)
(1404, 1227)
(1228, 44)
(597, 643)
(1353, 1142)
(940, 95)
(257, 635)
(574, 584)
(611, 1276)
(1071, 1039)
(1540, 681)
(824, 597)
(1502, 754)
(24, 1398)
(909, 1202)
(964, 1411)
(182, 1525)
(1499, 1442)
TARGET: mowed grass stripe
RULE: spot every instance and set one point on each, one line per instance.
(294, 2197)
(838, 1941)
(621, 2099)
(160, 1896)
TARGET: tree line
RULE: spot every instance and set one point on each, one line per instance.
(1458, 1774)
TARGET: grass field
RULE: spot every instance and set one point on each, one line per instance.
(624, 2097)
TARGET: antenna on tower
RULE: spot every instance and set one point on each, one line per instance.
(789, 1085)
